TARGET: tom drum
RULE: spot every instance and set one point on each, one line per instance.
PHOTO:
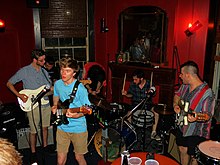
(209, 152)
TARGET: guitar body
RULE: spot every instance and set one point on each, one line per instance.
(27, 106)
(182, 117)
(61, 112)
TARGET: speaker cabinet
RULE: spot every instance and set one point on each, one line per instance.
(38, 3)
(173, 148)
(23, 137)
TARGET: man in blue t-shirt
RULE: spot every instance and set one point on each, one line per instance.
(76, 129)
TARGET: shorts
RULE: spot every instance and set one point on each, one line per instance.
(34, 117)
(191, 142)
(79, 141)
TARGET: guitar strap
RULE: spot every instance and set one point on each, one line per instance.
(197, 99)
(73, 94)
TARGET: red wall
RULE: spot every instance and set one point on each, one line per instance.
(16, 42)
(180, 14)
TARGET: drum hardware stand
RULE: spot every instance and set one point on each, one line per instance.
(105, 143)
(128, 115)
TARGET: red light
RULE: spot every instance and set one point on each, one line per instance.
(37, 2)
(2, 24)
(193, 28)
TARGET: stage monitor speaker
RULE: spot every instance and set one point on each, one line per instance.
(23, 137)
(173, 148)
(37, 3)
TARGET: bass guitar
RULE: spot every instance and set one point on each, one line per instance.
(27, 106)
(60, 117)
(182, 117)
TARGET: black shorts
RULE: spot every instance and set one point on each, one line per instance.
(191, 142)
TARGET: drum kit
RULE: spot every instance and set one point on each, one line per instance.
(117, 132)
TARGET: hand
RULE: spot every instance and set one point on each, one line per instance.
(23, 97)
(97, 91)
(54, 109)
(124, 93)
(191, 118)
(73, 115)
(176, 109)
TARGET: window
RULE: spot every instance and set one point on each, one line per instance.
(62, 47)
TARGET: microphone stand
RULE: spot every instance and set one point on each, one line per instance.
(124, 118)
(41, 129)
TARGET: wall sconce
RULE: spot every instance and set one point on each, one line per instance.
(103, 27)
(2, 25)
(192, 28)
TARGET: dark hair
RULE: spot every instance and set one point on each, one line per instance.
(139, 73)
(190, 67)
(96, 73)
(36, 53)
(50, 60)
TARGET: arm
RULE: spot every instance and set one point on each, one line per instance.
(125, 93)
(23, 97)
(55, 103)
(176, 107)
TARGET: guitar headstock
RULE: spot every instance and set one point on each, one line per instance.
(86, 110)
(84, 82)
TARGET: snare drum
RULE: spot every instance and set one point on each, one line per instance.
(209, 152)
(141, 118)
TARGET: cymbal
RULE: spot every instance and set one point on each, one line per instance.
(100, 102)
(161, 109)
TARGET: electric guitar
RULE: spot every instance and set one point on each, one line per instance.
(60, 117)
(182, 117)
(27, 106)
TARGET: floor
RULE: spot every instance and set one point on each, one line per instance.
(95, 147)
(130, 137)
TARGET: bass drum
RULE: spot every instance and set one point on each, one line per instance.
(115, 143)
(209, 153)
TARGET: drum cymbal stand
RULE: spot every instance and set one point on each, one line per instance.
(124, 120)
(105, 143)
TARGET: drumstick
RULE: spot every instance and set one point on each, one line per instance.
(123, 88)
(151, 79)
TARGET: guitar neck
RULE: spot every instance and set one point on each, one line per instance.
(71, 110)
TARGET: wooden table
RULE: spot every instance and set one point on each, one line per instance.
(162, 160)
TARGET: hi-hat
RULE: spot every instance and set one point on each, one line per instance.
(161, 109)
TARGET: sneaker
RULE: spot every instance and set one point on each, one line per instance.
(155, 136)
(33, 158)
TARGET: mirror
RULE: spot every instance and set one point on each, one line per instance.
(142, 31)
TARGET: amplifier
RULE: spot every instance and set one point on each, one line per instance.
(173, 149)
(23, 137)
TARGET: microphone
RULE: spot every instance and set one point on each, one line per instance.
(151, 92)
(41, 94)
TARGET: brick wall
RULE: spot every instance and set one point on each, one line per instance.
(64, 18)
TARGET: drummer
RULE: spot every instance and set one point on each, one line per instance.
(201, 100)
(138, 90)
(96, 73)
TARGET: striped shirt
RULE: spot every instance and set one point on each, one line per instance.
(205, 105)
